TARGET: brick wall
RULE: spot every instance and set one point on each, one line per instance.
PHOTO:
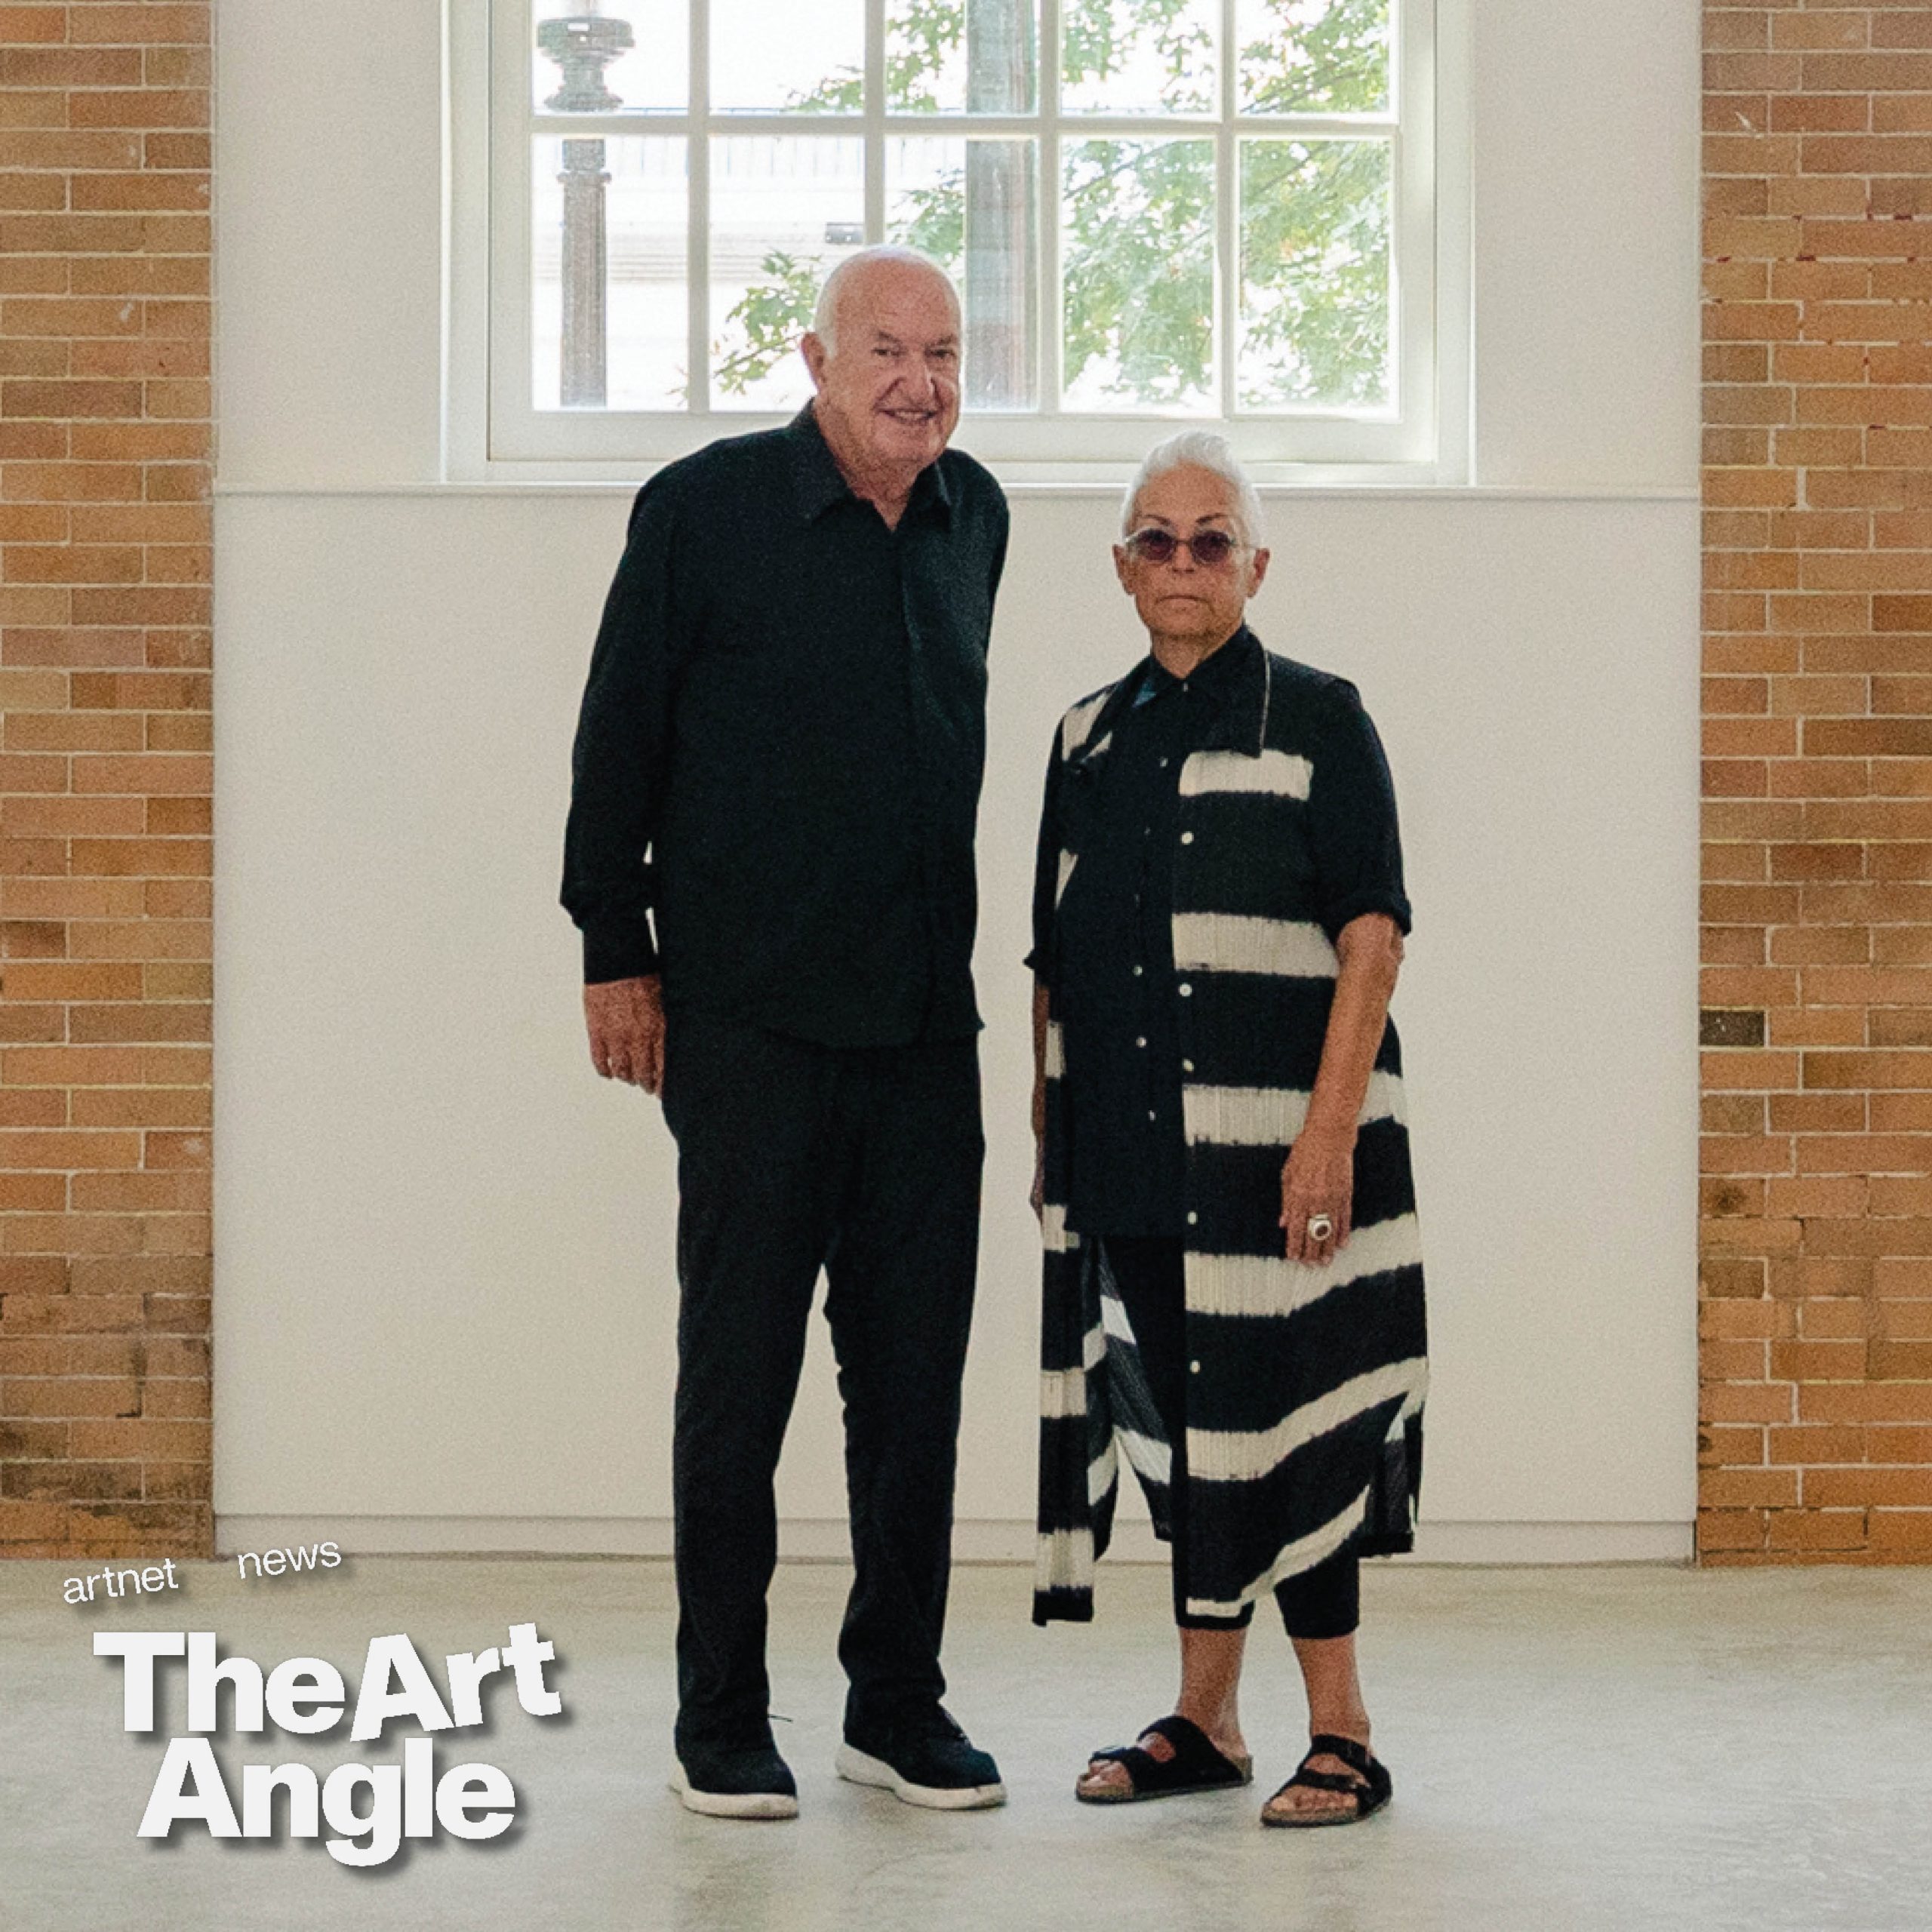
(1816, 1309)
(105, 448)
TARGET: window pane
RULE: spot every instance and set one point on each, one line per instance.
(767, 56)
(1137, 265)
(969, 205)
(1314, 274)
(628, 54)
(1138, 56)
(784, 211)
(943, 57)
(609, 317)
(1313, 56)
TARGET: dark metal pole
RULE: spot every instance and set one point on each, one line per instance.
(583, 45)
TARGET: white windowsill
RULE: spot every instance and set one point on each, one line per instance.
(1015, 487)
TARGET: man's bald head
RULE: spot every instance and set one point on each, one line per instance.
(887, 260)
(884, 359)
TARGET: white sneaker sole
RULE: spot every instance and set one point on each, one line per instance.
(732, 1804)
(856, 1766)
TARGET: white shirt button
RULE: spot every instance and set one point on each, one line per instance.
(1186, 991)
(1164, 764)
(1187, 838)
(1186, 1065)
(1140, 1040)
(1194, 1368)
(1137, 972)
(1150, 1113)
(1193, 1219)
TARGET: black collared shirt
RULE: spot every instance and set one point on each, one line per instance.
(1126, 1148)
(786, 712)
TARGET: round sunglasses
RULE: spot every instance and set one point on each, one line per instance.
(1212, 550)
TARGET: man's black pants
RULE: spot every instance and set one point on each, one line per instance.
(865, 1161)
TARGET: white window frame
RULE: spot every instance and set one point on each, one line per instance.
(493, 432)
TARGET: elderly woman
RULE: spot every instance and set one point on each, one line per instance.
(1233, 1288)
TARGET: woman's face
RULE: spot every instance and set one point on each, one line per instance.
(1183, 599)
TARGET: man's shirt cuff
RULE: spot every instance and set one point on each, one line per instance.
(615, 953)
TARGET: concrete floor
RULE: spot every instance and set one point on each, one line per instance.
(1573, 1750)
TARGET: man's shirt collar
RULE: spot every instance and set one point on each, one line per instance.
(820, 482)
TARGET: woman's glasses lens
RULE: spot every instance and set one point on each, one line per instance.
(1210, 547)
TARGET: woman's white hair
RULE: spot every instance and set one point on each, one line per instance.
(1197, 449)
(825, 316)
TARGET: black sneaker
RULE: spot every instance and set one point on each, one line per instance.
(924, 1760)
(754, 1782)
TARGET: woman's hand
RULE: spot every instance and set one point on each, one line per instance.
(1318, 1178)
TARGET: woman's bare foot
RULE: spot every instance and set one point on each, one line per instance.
(1210, 1700)
(1107, 1777)
(1307, 1801)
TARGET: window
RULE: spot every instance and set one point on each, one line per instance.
(1158, 211)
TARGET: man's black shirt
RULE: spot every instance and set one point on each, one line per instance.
(786, 709)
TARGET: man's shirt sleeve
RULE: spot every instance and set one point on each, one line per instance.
(618, 763)
(998, 570)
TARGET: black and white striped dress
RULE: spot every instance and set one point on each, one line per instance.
(1305, 1388)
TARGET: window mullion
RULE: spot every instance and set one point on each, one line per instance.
(1227, 218)
(697, 234)
(1048, 216)
(875, 133)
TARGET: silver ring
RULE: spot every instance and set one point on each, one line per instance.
(1320, 1227)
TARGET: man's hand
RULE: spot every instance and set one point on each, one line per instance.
(625, 1018)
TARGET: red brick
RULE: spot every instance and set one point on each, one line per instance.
(1901, 1533)
(1809, 1529)
(1742, 1276)
(21, 398)
(1811, 1444)
(1744, 1489)
(1901, 1362)
(1865, 1402)
(1838, 1319)
(1731, 1529)
(1744, 1402)
(1902, 113)
(149, 107)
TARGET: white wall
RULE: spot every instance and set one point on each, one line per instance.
(444, 1291)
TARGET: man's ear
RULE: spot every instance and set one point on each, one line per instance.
(1257, 570)
(1121, 561)
(815, 355)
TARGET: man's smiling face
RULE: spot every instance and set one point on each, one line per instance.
(888, 391)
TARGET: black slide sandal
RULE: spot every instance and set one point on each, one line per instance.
(1196, 1765)
(1371, 1790)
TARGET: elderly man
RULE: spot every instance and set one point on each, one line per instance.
(779, 763)
(1233, 1286)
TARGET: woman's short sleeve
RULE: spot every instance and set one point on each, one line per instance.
(1352, 818)
(1046, 871)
